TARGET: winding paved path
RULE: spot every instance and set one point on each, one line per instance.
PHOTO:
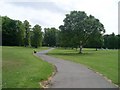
(73, 75)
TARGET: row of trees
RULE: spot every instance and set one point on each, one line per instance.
(79, 30)
(111, 41)
(108, 41)
(16, 33)
(51, 37)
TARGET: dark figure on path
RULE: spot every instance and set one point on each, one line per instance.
(35, 51)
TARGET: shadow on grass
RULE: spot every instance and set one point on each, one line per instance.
(71, 54)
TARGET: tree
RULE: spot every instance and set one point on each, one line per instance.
(9, 32)
(27, 33)
(57, 38)
(13, 32)
(51, 37)
(106, 42)
(37, 36)
(94, 32)
(65, 37)
(118, 41)
(78, 28)
(0, 30)
(97, 42)
(20, 32)
(111, 41)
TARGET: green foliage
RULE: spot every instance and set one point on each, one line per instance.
(13, 32)
(78, 27)
(51, 37)
(21, 69)
(16, 33)
(9, 31)
(97, 42)
(37, 36)
(20, 32)
(112, 41)
(27, 32)
(0, 30)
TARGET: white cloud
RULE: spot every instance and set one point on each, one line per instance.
(52, 16)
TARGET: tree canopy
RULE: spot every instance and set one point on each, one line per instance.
(37, 36)
(27, 33)
(78, 28)
(17, 33)
(51, 36)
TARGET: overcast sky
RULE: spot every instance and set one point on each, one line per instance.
(50, 13)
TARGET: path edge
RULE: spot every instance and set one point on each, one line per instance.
(98, 73)
(47, 83)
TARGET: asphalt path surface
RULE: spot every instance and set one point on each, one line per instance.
(74, 75)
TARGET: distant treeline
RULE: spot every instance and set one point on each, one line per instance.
(110, 41)
(79, 30)
(17, 33)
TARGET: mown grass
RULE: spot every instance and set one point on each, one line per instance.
(102, 61)
(21, 69)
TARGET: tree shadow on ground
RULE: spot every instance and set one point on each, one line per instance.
(71, 54)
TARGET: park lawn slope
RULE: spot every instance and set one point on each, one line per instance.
(102, 61)
(21, 69)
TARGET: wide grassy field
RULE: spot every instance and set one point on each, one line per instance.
(21, 69)
(102, 61)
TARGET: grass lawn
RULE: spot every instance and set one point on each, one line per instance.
(21, 69)
(102, 61)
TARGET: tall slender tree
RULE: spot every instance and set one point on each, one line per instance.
(51, 36)
(27, 33)
(37, 36)
(21, 32)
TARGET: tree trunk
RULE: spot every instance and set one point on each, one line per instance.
(76, 49)
(80, 49)
(96, 49)
(65, 48)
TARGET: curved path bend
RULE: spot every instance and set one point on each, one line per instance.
(73, 75)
